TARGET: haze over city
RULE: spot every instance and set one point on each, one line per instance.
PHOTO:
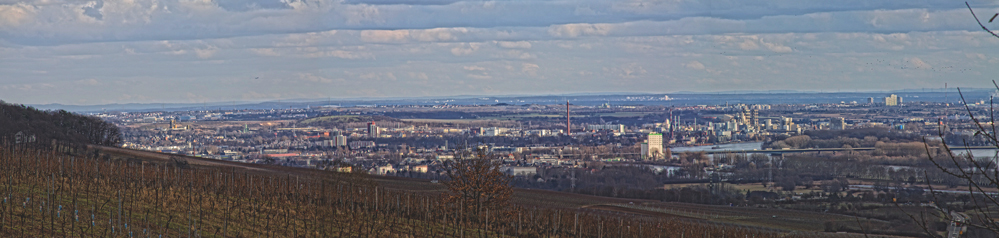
(147, 51)
(508, 118)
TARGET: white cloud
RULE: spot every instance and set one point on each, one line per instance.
(749, 44)
(646, 6)
(631, 70)
(28, 87)
(778, 48)
(474, 68)
(516, 54)
(514, 44)
(308, 77)
(308, 39)
(420, 75)
(425, 35)
(14, 15)
(484, 75)
(196, 5)
(378, 76)
(437, 34)
(323, 52)
(357, 14)
(384, 35)
(265, 51)
(918, 63)
(465, 49)
(206, 52)
(694, 65)
(580, 29)
(528, 68)
(417, 45)
(976, 56)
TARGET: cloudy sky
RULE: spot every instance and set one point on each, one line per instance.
(151, 51)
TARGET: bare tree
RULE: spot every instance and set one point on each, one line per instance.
(478, 184)
(980, 21)
(978, 176)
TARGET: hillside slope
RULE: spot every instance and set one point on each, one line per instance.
(22, 124)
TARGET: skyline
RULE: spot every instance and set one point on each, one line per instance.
(676, 99)
(146, 51)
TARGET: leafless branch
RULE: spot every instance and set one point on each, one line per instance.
(979, 21)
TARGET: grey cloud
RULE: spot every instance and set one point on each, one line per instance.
(249, 5)
(402, 2)
(152, 53)
(95, 10)
(233, 18)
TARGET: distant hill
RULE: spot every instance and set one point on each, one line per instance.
(24, 124)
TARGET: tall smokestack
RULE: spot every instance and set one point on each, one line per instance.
(672, 124)
(568, 123)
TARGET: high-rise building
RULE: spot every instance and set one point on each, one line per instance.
(744, 116)
(652, 148)
(339, 141)
(893, 100)
(372, 130)
(837, 123)
(788, 123)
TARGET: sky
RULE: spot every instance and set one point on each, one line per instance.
(84, 52)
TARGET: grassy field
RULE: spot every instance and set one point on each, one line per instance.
(334, 119)
(747, 187)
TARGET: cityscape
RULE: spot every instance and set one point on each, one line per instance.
(641, 133)
(485, 118)
(761, 149)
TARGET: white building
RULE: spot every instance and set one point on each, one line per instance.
(611, 127)
(539, 132)
(419, 168)
(652, 148)
(492, 131)
(893, 100)
(519, 170)
(339, 141)
(386, 169)
(373, 130)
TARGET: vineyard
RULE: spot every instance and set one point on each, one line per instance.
(47, 193)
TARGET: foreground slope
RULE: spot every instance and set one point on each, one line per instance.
(409, 207)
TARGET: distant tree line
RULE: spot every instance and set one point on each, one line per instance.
(852, 138)
(24, 124)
